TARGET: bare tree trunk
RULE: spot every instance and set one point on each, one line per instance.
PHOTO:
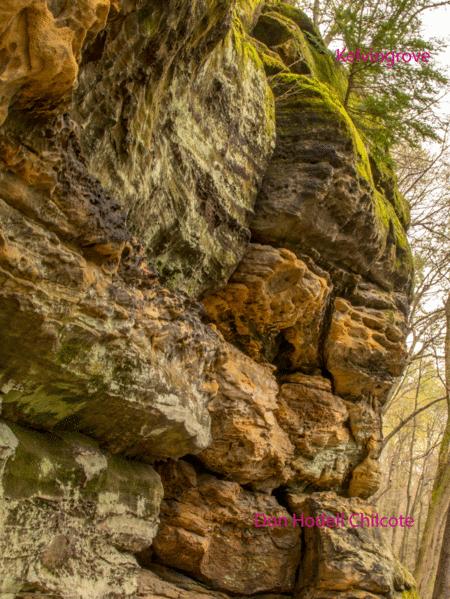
(415, 531)
(419, 530)
(430, 549)
(442, 585)
(316, 13)
(398, 499)
(411, 464)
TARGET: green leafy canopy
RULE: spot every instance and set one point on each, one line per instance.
(389, 105)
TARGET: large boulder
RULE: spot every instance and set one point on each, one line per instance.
(273, 307)
(317, 423)
(248, 444)
(90, 340)
(75, 512)
(177, 118)
(346, 562)
(207, 531)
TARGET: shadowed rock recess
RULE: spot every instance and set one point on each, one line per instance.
(204, 283)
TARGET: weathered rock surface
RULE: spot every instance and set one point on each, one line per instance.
(364, 349)
(346, 562)
(366, 477)
(76, 513)
(137, 175)
(81, 347)
(327, 205)
(41, 45)
(207, 531)
(90, 340)
(318, 195)
(273, 301)
(152, 586)
(188, 184)
(163, 583)
(298, 433)
(316, 422)
(248, 444)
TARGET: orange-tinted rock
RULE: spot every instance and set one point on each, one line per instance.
(346, 562)
(42, 48)
(272, 295)
(90, 340)
(317, 424)
(364, 350)
(207, 531)
(248, 444)
(366, 478)
(300, 434)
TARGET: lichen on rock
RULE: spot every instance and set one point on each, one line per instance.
(77, 513)
(192, 135)
(203, 268)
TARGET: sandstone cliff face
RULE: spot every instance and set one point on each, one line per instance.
(203, 294)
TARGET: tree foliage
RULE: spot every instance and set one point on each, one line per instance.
(394, 104)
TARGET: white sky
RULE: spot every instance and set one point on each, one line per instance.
(436, 24)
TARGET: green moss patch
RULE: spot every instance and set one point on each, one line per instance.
(303, 93)
(287, 31)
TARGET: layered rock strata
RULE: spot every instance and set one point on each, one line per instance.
(204, 284)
